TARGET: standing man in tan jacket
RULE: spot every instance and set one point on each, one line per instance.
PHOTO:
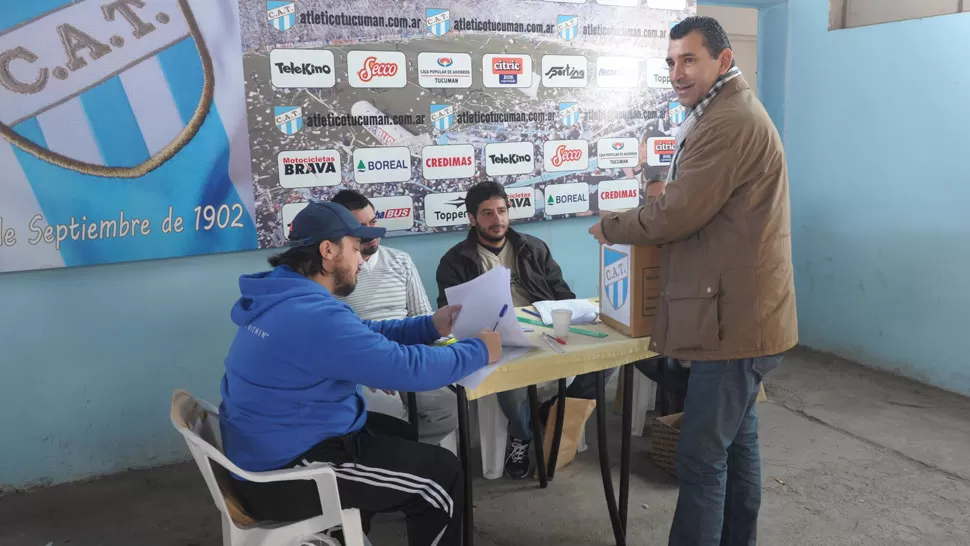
(727, 300)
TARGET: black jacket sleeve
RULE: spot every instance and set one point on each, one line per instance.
(553, 274)
(448, 275)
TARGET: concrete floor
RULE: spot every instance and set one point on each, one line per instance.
(851, 457)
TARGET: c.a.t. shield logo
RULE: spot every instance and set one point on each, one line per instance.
(677, 113)
(289, 119)
(281, 14)
(569, 113)
(567, 26)
(442, 116)
(616, 277)
(438, 21)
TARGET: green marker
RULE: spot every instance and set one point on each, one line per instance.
(579, 331)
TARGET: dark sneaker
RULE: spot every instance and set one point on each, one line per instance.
(518, 465)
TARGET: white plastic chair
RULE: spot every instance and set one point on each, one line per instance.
(198, 422)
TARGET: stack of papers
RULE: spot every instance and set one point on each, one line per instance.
(584, 311)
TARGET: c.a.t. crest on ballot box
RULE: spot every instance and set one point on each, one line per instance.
(629, 288)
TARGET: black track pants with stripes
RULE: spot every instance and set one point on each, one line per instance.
(380, 469)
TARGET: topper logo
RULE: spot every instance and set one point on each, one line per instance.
(374, 69)
(564, 155)
(445, 61)
(507, 65)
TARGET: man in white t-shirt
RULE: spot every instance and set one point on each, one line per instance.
(389, 287)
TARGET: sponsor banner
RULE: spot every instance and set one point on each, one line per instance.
(675, 5)
(565, 155)
(624, 3)
(309, 68)
(394, 213)
(449, 161)
(658, 74)
(508, 158)
(567, 198)
(380, 165)
(660, 151)
(309, 168)
(378, 69)
(444, 70)
(507, 70)
(616, 153)
(564, 71)
(522, 203)
(445, 209)
(619, 194)
(618, 72)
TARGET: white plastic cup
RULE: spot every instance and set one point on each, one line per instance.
(561, 320)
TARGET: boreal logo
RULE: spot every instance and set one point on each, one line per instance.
(445, 62)
(438, 21)
(569, 113)
(281, 14)
(677, 113)
(442, 116)
(616, 277)
(568, 27)
(289, 119)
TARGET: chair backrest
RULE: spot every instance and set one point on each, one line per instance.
(199, 425)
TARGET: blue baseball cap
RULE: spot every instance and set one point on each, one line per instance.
(325, 221)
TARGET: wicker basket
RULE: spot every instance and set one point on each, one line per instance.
(664, 433)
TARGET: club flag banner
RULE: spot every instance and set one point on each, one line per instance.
(149, 129)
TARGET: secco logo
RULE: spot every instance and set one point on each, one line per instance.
(616, 153)
(660, 151)
(564, 71)
(619, 194)
(658, 74)
(445, 209)
(444, 70)
(565, 155)
(449, 161)
(617, 72)
(308, 169)
(394, 213)
(377, 165)
(507, 158)
(310, 68)
(521, 203)
(376, 69)
(507, 70)
(567, 198)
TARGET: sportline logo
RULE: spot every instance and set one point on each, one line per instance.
(507, 70)
(288, 213)
(619, 194)
(564, 71)
(506, 158)
(308, 169)
(567, 198)
(311, 68)
(617, 72)
(658, 74)
(444, 70)
(445, 209)
(394, 213)
(616, 153)
(660, 151)
(521, 203)
(377, 165)
(450, 161)
(381, 69)
(565, 155)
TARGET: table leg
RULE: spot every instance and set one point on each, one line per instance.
(618, 532)
(464, 450)
(661, 390)
(413, 412)
(557, 433)
(537, 436)
(626, 439)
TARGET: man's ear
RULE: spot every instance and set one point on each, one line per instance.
(328, 250)
(471, 220)
(725, 60)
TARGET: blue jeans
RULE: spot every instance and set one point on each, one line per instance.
(515, 403)
(718, 460)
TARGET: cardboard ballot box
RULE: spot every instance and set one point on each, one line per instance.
(629, 288)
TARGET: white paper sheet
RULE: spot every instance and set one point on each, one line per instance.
(482, 300)
(584, 311)
(473, 380)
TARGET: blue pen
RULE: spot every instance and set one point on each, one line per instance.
(500, 315)
(533, 313)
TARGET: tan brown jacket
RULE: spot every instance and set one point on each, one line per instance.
(727, 288)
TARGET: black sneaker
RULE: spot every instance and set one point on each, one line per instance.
(518, 465)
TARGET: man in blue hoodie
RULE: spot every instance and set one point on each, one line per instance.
(292, 388)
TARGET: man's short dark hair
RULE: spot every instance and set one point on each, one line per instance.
(715, 38)
(305, 260)
(481, 192)
(352, 200)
